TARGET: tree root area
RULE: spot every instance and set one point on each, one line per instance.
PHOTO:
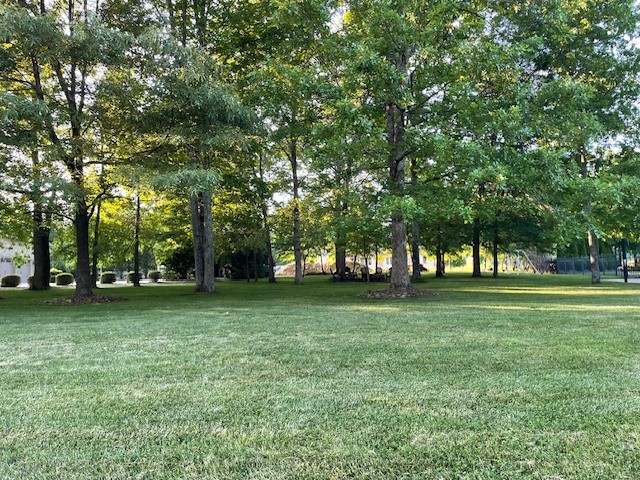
(94, 299)
(399, 293)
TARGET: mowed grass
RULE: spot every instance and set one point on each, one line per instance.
(523, 377)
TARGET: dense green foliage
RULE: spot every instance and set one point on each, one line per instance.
(64, 279)
(525, 377)
(10, 281)
(313, 126)
(108, 277)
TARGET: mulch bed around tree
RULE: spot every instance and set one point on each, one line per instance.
(399, 293)
(85, 300)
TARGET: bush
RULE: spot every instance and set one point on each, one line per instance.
(130, 276)
(64, 279)
(154, 275)
(10, 281)
(108, 277)
(30, 281)
(52, 274)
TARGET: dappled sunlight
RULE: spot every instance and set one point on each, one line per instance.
(560, 308)
(375, 309)
(541, 291)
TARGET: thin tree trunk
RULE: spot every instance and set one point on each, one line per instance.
(415, 250)
(41, 252)
(136, 246)
(266, 226)
(376, 252)
(495, 248)
(255, 265)
(95, 246)
(41, 230)
(439, 256)
(209, 268)
(476, 248)
(592, 238)
(341, 261)
(198, 248)
(247, 267)
(297, 245)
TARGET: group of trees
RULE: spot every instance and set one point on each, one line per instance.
(292, 125)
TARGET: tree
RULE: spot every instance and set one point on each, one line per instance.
(403, 55)
(55, 57)
(586, 67)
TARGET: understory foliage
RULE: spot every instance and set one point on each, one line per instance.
(244, 131)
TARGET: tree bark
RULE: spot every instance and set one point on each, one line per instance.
(41, 230)
(255, 265)
(476, 248)
(83, 272)
(592, 238)
(198, 251)
(208, 245)
(439, 256)
(495, 248)
(415, 251)
(341, 261)
(265, 224)
(41, 252)
(297, 244)
(95, 253)
(395, 136)
(136, 246)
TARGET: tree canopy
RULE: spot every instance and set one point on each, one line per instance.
(295, 128)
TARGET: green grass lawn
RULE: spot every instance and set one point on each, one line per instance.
(523, 377)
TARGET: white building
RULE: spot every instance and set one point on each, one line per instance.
(15, 260)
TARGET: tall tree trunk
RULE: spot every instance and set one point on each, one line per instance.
(247, 267)
(95, 246)
(270, 261)
(341, 261)
(592, 238)
(41, 252)
(415, 250)
(209, 272)
(202, 227)
(83, 272)
(396, 119)
(198, 247)
(255, 265)
(136, 246)
(439, 256)
(495, 247)
(297, 245)
(476, 248)
(265, 224)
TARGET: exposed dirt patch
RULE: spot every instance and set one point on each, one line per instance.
(85, 300)
(399, 293)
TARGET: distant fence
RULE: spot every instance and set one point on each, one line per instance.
(609, 263)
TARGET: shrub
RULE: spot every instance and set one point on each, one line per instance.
(52, 274)
(108, 277)
(10, 281)
(154, 275)
(30, 281)
(64, 279)
(130, 276)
